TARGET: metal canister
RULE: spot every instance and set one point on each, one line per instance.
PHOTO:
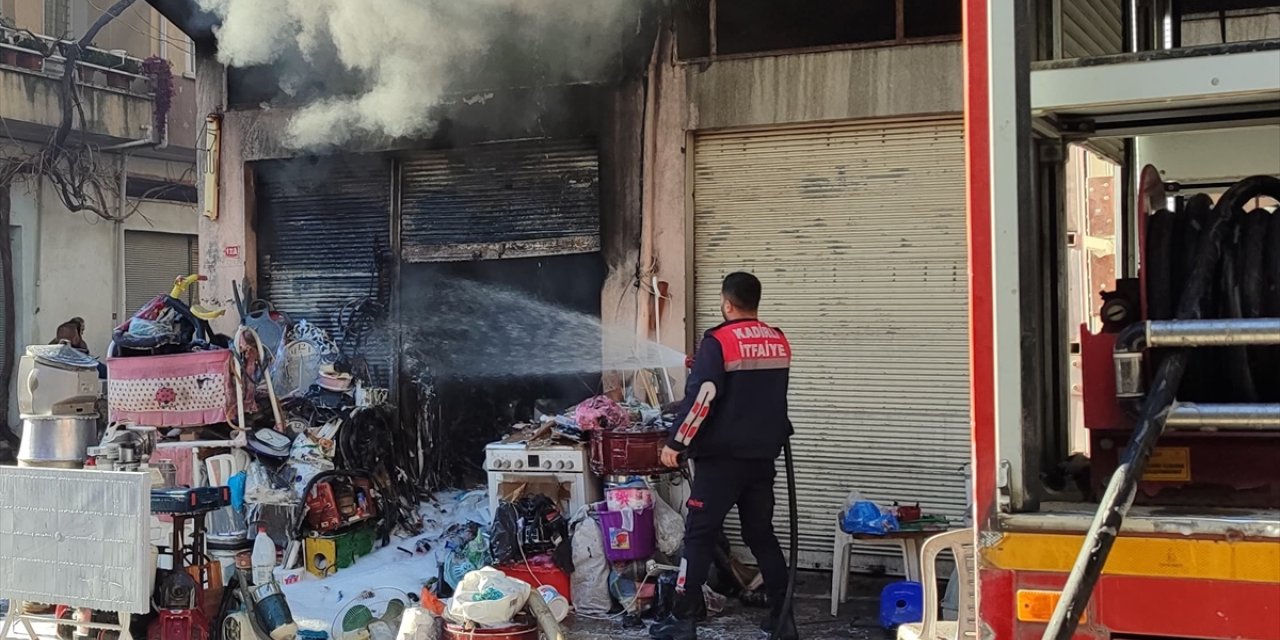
(60, 442)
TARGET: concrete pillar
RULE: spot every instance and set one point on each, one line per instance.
(226, 243)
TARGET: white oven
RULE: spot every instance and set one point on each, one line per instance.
(547, 469)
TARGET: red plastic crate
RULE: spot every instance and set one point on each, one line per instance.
(628, 453)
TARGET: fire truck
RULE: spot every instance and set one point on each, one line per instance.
(1168, 382)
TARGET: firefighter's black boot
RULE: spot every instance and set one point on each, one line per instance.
(787, 632)
(770, 624)
(673, 628)
(682, 624)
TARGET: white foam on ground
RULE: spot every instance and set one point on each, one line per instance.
(316, 602)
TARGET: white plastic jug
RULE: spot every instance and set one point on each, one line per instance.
(264, 558)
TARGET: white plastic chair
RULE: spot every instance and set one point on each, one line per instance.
(961, 544)
(840, 562)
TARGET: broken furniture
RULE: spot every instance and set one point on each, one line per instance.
(79, 538)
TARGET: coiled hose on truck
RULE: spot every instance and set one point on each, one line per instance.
(1121, 490)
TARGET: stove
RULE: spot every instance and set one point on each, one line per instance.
(540, 467)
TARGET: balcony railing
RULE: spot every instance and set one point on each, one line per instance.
(97, 67)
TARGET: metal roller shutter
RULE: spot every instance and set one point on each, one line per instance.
(325, 240)
(151, 263)
(858, 234)
(1091, 28)
(501, 200)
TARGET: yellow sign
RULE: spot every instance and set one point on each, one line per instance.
(1169, 464)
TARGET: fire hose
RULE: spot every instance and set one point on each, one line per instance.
(784, 613)
(1122, 488)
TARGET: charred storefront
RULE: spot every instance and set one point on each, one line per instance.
(463, 274)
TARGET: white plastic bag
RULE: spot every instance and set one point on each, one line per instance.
(669, 526)
(487, 597)
(590, 578)
(418, 624)
(307, 450)
(264, 487)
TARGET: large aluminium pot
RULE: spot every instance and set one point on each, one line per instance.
(60, 442)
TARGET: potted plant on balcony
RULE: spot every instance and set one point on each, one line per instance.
(119, 65)
(127, 66)
(7, 56)
(31, 56)
(110, 64)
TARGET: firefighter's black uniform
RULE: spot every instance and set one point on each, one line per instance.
(735, 424)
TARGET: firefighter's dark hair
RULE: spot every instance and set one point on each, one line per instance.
(743, 290)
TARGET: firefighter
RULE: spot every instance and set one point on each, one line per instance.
(735, 424)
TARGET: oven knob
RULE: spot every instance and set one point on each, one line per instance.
(519, 464)
(569, 465)
(506, 464)
(560, 465)
(500, 464)
(546, 465)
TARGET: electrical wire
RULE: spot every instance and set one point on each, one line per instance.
(368, 442)
(156, 35)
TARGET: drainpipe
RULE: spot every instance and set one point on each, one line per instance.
(162, 143)
(117, 282)
(649, 147)
(123, 149)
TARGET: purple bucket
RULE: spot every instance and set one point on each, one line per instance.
(621, 545)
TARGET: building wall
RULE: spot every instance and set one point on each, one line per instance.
(132, 31)
(71, 264)
(1241, 26)
(26, 14)
(770, 91)
(33, 99)
(141, 32)
(681, 98)
(69, 261)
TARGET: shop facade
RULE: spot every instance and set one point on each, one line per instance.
(835, 175)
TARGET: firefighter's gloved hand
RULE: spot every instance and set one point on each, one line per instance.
(670, 458)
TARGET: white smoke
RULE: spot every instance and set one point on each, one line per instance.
(407, 53)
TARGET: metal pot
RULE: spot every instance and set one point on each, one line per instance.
(517, 631)
(60, 442)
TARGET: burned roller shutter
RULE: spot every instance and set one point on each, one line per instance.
(324, 238)
(518, 199)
